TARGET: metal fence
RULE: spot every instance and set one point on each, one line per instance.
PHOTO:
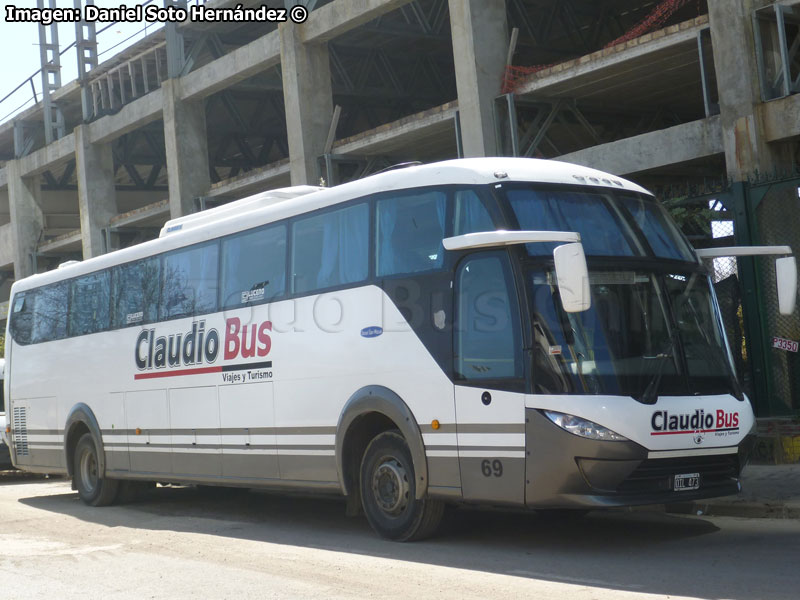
(777, 217)
(764, 211)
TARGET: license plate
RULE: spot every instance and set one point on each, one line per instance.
(687, 481)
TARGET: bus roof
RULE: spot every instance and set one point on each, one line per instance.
(271, 206)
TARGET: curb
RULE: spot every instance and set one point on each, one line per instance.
(743, 509)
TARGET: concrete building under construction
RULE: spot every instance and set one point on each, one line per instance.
(694, 99)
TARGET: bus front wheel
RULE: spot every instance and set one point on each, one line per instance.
(93, 489)
(388, 487)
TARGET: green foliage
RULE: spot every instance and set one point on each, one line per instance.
(694, 219)
(2, 345)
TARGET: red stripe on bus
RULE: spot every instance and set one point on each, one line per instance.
(692, 431)
(198, 371)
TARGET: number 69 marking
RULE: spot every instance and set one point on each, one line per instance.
(493, 467)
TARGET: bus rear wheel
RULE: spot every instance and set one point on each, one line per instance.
(388, 490)
(93, 489)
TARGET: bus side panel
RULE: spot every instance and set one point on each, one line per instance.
(44, 440)
(247, 420)
(305, 420)
(115, 437)
(491, 444)
(194, 431)
(148, 413)
(33, 412)
(338, 344)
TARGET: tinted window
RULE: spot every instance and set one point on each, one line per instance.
(254, 266)
(21, 325)
(661, 233)
(330, 249)
(471, 214)
(487, 334)
(89, 302)
(603, 231)
(189, 282)
(135, 292)
(410, 229)
(50, 313)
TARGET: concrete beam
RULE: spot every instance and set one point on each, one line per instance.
(401, 134)
(780, 118)
(271, 176)
(186, 146)
(568, 78)
(257, 56)
(140, 215)
(308, 99)
(97, 194)
(52, 155)
(27, 220)
(136, 114)
(341, 16)
(480, 46)
(70, 241)
(681, 143)
(3, 178)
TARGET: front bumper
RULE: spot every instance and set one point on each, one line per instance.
(566, 471)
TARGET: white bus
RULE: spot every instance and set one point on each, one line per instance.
(5, 456)
(419, 337)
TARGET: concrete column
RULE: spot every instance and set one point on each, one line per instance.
(97, 194)
(308, 99)
(27, 220)
(186, 146)
(746, 150)
(480, 46)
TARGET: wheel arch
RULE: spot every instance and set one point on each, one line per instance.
(371, 409)
(81, 420)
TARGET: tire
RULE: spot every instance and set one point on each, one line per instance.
(388, 485)
(92, 488)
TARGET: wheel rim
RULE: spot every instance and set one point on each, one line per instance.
(89, 471)
(390, 486)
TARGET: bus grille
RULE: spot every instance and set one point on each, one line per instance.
(20, 418)
(657, 474)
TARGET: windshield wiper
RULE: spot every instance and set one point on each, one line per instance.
(650, 393)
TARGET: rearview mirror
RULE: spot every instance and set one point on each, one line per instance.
(786, 276)
(572, 275)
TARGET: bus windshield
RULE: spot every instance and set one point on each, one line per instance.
(643, 329)
(610, 223)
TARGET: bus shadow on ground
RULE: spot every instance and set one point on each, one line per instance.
(640, 551)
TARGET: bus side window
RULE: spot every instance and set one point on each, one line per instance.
(410, 230)
(89, 302)
(471, 214)
(21, 315)
(254, 266)
(50, 313)
(134, 294)
(189, 281)
(487, 337)
(330, 249)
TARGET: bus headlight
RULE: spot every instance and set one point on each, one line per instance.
(583, 428)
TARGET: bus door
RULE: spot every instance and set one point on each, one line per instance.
(489, 380)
